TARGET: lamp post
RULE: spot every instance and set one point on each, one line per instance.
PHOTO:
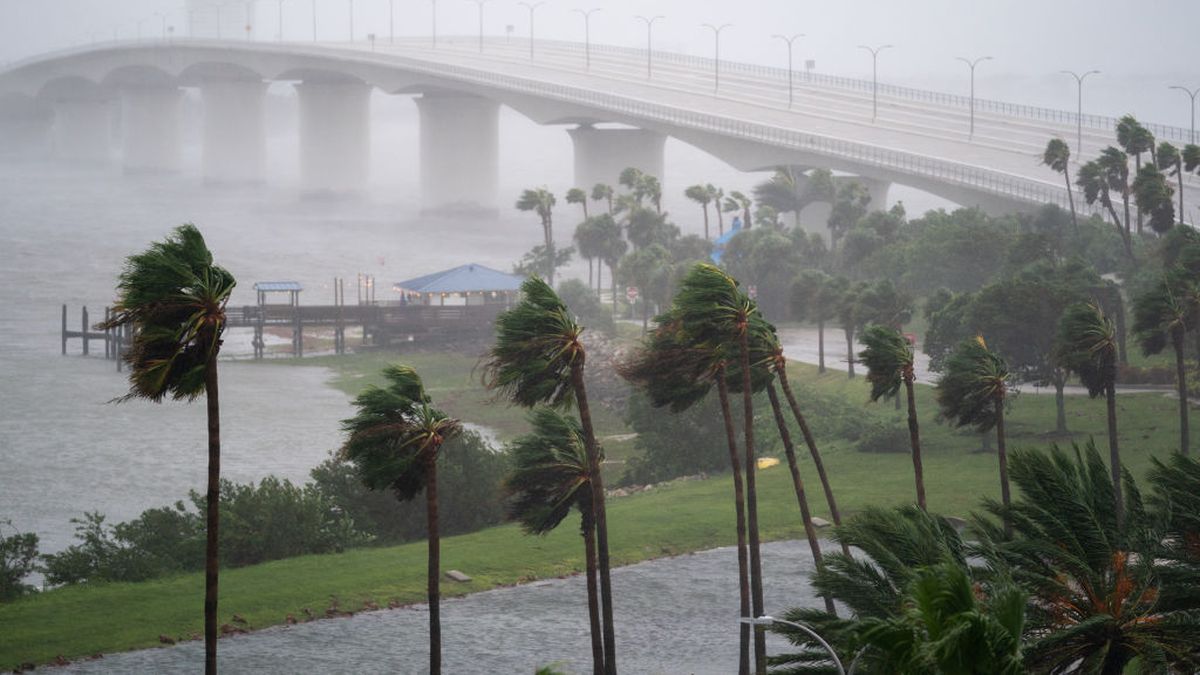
(1191, 94)
(249, 18)
(531, 7)
(971, 64)
(138, 35)
(391, 20)
(649, 51)
(1079, 114)
(768, 620)
(163, 18)
(351, 7)
(587, 34)
(716, 61)
(875, 77)
(433, 7)
(279, 35)
(314, 17)
(789, 39)
(480, 4)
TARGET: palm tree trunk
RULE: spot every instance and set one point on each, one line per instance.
(213, 516)
(1002, 452)
(584, 205)
(1122, 229)
(820, 345)
(1060, 403)
(849, 352)
(1119, 318)
(798, 485)
(746, 217)
(720, 221)
(590, 272)
(706, 237)
(1181, 384)
(1114, 454)
(1125, 197)
(434, 568)
(812, 451)
(589, 436)
(739, 504)
(1179, 173)
(1071, 198)
(914, 437)
(756, 590)
(589, 551)
(612, 277)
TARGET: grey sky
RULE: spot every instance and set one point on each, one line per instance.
(1031, 40)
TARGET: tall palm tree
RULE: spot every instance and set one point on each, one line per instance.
(889, 360)
(1152, 193)
(603, 192)
(612, 249)
(737, 200)
(717, 194)
(394, 441)
(1114, 167)
(700, 195)
(1135, 139)
(173, 298)
(1161, 317)
(542, 201)
(1170, 158)
(849, 315)
(815, 297)
(1057, 156)
(578, 196)
(589, 244)
(973, 391)
(1087, 346)
(539, 359)
(652, 189)
(1093, 181)
(551, 476)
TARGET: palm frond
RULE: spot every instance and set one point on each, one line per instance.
(887, 356)
(1086, 345)
(973, 380)
(537, 341)
(550, 472)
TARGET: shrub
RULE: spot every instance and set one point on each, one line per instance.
(584, 303)
(18, 559)
(888, 435)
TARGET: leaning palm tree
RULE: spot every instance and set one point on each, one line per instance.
(1114, 167)
(738, 200)
(394, 441)
(1161, 317)
(173, 297)
(550, 477)
(1087, 346)
(603, 192)
(539, 359)
(1169, 158)
(973, 391)
(700, 195)
(612, 248)
(1093, 181)
(889, 360)
(1057, 156)
(542, 201)
(578, 196)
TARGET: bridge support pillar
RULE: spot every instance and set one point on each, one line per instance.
(24, 135)
(82, 130)
(234, 131)
(602, 154)
(460, 151)
(878, 189)
(335, 136)
(150, 129)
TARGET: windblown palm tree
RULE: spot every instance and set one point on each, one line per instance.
(603, 192)
(1152, 193)
(612, 249)
(973, 391)
(889, 360)
(815, 297)
(1176, 501)
(849, 316)
(394, 441)
(1093, 180)
(578, 196)
(717, 194)
(589, 243)
(550, 477)
(542, 201)
(1114, 167)
(1087, 346)
(1161, 317)
(735, 201)
(174, 297)
(1057, 156)
(700, 195)
(1135, 139)
(539, 359)
(1170, 158)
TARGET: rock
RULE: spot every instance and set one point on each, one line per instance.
(28, 665)
(819, 522)
(393, 604)
(370, 605)
(166, 639)
(455, 575)
(959, 524)
(307, 612)
(290, 620)
(237, 618)
(61, 660)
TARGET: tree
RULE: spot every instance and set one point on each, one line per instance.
(649, 269)
(889, 360)
(1094, 181)
(174, 297)
(717, 194)
(18, 559)
(1135, 139)
(541, 201)
(1057, 156)
(550, 477)
(539, 359)
(645, 227)
(946, 318)
(1114, 168)
(700, 195)
(1170, 158)
(589, 243)
(1087, 346)
(849, 206)
(542, 262)
(578, 196)
(784, 192)
(1161, 318)
(1154, 196)
(738, 201)
(973, 391)
(884, 304)
(603, 192)
(611, 249)
(849, 316)
(394, 440)
(815, 297)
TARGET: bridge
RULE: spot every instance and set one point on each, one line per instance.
(619, 105)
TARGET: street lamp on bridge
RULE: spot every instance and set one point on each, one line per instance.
(279, 35)
(163, 17)
(971, 64)
(1191, 94)
(352, 20)
(649, 49)
(250, 18)
(717, 61)
(480, 4)
(314, 17)
(789, 39)
(433, 8)
(531, 7)
(1079, 114)
(587, 34)
(875, 77)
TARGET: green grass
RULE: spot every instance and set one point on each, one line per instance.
(676, 518)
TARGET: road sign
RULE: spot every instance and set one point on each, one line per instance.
(631, 293)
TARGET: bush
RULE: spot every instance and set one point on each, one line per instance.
(18, 559)
(584, 303)
(889, 435)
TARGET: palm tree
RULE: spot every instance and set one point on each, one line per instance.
(652, 189)
(849, 316)
(717, 194)
(603, 192)
(550, 476)
(815, 297)
(173, 298)
(699, 194)
(889, 360)
(589, 245)
(1169, 157)
(1114, 167)
(578, 196)
(1087, 346)
(539, 359)
(542, 201)
(735, 201)
(1058, 157)
(973, 391)
(612, 249)
(394, 441)
(1160, 317)
(1093, 181)
(1135, 139)
(1176, 503)
(1153, 195)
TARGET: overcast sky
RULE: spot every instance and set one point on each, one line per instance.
(1141, 48)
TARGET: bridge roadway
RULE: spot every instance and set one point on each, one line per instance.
(919, 139)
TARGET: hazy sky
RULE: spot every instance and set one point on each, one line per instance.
(1140, 48)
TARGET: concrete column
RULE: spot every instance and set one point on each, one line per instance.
(460, 151)
(150, 129)
(24, 135)
(602, 154)
(878, 189)
(235, 146)
(82, 130)
(335, 136)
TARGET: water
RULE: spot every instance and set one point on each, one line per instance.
(676, 616)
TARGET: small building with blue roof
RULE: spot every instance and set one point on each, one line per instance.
(466, 285)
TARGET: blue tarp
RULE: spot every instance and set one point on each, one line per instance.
(720, 242)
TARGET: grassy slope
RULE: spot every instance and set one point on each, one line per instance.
(681, 517)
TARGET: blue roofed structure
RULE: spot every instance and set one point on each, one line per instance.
(292, 288)
(470, 284)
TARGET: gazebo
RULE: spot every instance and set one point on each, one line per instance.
(470, 285)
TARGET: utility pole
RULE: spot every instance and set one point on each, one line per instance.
(971, 64)
(789, 39)
(875, 77)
